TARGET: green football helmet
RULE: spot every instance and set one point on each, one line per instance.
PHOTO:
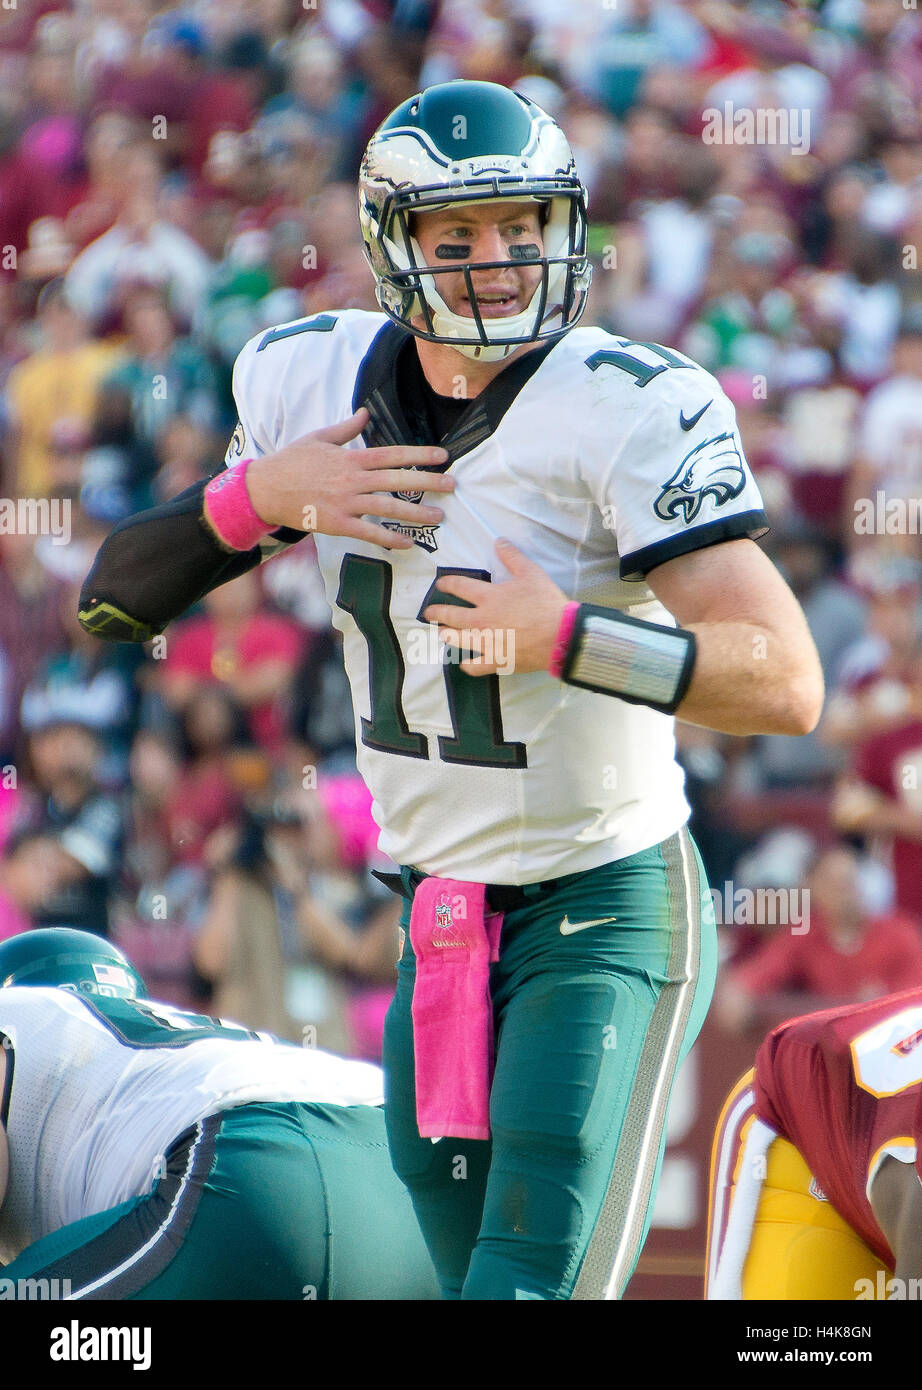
(464, 142)
(69, 959)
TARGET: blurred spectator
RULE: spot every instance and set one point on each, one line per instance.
(119, 464)
(322, 719)
(30, 626)
(25, 193)
(239, 644)
(164, 374)
(84, 820)
(877, 674)
(58, 382)
(162, 897)
(846, 954)
(347, 919)
(318, 88)
(93, 204)
(642, 36)
(881, 76)
(819, 425)
(187, 453)
(30, 873)
(139, 247)
(889, 456)
(752, 322)
(857, 307)
(238, 948)
(880, 719)
(710, 763)
(204, 796)
(155, 769)
(89, 682)
(891, 202)
(168, 77)
(664, 255)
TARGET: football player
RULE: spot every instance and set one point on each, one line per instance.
(149, 1153)
(572, 515)
(815, 1172)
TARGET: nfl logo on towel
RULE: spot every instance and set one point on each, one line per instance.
(444, 922)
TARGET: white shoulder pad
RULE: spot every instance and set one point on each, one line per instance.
(661, 453)
(298, 377)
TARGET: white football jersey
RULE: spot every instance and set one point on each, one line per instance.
(97, 1090)
(612, 457)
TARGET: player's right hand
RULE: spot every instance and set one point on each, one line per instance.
(315, 484)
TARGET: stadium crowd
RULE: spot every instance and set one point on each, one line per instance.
(176, 177)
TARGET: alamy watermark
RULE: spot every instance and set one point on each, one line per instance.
(762, 907)
(497, 648)
(34, 1290)
(888, 516)
(887, 1288)
(787, 126)
(36, 516)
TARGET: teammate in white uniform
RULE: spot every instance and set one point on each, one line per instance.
(156, 1153)
(578, 495)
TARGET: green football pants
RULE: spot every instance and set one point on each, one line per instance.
(591, 1024)
(267, 1201)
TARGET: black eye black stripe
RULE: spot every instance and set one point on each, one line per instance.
(451, 251)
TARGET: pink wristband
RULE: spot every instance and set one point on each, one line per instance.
(229, 511)
(564, 633)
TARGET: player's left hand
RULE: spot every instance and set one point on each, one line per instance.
(512, 625)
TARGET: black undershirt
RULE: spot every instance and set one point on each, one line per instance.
(431, 415)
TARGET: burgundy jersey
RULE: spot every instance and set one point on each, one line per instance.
(843, 1086)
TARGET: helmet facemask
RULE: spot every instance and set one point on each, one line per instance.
(408, 285)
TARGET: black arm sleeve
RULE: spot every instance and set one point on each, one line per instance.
(155, 565)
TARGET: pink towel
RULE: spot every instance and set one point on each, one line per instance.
(454, 942)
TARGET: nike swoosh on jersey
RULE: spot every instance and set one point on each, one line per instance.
(690, 424)
(567, 927)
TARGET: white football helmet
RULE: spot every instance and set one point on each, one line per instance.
(464, 142)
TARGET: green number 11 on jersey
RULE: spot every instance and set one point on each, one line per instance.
(365, 587)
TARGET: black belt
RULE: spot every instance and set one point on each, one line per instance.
(501, 897)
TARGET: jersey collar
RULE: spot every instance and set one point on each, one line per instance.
(393, 423)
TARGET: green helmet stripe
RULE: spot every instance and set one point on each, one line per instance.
(470, 121)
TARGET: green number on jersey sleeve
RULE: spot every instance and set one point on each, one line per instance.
(642, 372)
(143, 1024)
(324, 323)
(365, 587)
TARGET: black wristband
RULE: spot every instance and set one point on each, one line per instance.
(642, 663)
